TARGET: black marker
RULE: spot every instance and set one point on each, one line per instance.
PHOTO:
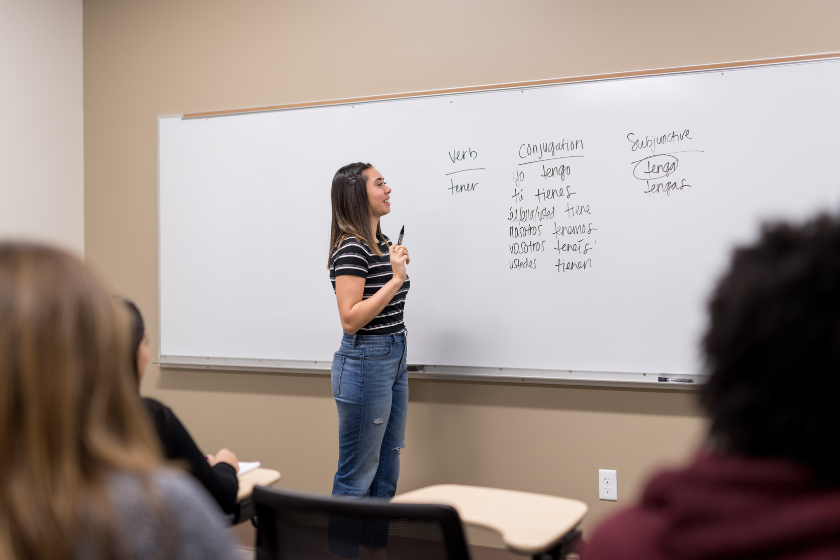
(675, 380)
(402, 231)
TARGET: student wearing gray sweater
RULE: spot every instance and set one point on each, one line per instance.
(198, 532)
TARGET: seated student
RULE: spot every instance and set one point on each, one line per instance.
(216, 472)
(768, 486)
(80, 474)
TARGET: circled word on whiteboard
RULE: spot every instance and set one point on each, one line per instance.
(655, 167)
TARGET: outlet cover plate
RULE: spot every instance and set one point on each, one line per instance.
(607, 485)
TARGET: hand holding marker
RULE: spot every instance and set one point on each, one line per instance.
(399, 257)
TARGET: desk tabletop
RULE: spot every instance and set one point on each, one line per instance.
(257, 477)
(528, 523)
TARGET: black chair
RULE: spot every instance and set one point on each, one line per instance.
(305, 527)
(243, 511)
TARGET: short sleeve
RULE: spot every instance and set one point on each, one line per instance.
(351, 259)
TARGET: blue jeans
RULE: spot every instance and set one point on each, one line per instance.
(370, 387)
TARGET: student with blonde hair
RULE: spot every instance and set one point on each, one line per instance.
(80, 471)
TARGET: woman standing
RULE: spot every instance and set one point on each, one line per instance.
(369, 371)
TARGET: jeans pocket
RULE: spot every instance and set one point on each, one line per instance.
(379, 352)
(335, 374)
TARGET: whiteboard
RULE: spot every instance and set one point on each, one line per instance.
(569, 232)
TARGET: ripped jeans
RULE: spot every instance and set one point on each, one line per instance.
(370, 387)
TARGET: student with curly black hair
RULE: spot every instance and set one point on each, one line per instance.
(768, 486)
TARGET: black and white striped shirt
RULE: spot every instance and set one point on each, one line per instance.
(355, 258)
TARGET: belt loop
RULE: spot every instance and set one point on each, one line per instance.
(354, 340)
(393, 340)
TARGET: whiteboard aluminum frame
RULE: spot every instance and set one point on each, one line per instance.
(461, 373)
(451, 373)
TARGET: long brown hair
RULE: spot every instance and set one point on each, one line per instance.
(351, 209)
(69, 413)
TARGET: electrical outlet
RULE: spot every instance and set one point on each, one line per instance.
(607, 485)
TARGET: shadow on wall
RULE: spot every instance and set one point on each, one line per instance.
(559, 397)
(547, 396)
(259, 383)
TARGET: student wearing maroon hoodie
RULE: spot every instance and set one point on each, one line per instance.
(768, 484)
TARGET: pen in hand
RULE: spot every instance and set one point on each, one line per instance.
(402, 231)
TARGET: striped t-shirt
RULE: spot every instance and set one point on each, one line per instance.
(355, 258)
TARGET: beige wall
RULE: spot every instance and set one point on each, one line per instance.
(41, 121)
(157, 57)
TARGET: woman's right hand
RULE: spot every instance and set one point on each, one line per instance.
(399, 258)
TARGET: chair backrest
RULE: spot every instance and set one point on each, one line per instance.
(304, 527)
